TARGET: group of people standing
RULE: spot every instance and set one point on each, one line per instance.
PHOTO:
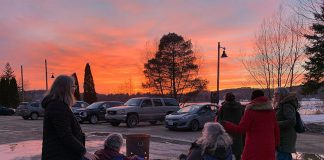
(268, 129)
(263, 129)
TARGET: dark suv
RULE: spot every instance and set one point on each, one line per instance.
(95, 112)
(31, 110)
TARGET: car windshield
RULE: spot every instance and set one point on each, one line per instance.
(94, 105)
(133, 102)
(190, 108)
(79, 105)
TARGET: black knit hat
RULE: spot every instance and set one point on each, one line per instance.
(256, 93)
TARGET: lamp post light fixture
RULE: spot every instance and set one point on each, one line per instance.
(52, 76)
(218, 59)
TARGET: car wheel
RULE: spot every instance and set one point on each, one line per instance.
(194, 125)
(25, 117)
(34, 116)
(115, 124)
(93, 119)
(132, 121)
(153, 122)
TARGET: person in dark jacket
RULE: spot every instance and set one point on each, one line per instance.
(111, 150)
(260, 127)
(214, 144)
(286, 104)
(63, 138)
(232, 111)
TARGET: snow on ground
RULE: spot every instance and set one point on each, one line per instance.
(313, 118)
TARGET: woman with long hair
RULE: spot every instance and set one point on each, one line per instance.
(214, 143)
(63, 138)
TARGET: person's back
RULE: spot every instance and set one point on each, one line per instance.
(232, 111)
(214, 144)
(261, 129)
(112, 146)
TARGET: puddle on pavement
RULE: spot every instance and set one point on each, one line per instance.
(31, 150)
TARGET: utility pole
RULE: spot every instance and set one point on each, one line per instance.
(22, 84)
(46, 75)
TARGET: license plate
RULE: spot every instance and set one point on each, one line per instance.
(170, 123)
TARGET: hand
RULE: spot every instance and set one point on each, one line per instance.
(90, 156)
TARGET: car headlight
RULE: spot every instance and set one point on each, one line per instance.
(83, 114)
(121, 111)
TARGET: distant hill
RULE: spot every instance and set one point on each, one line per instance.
(243, 93)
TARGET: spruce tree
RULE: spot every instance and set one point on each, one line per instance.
(13, 95)
(89, 94)
(4, 87)
(77, 89)
(315, 51)
(8, 72)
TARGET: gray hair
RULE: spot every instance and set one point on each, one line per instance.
(114, 141)
(62, 89)
(214, 136)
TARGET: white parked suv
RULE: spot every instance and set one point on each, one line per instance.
(141, 109)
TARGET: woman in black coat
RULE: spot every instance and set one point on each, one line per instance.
(232, 111)
(63, 138)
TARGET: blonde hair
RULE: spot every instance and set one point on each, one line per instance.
(61, 89)
(214, 136)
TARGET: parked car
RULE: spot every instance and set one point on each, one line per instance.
(6, 111)
(31, 110)
(95, 112)
(192, 116)
(79, 105)
(141, 109)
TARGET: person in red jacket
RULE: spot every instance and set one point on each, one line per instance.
(260, 126)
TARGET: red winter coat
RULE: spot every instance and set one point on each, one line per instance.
(261, 128)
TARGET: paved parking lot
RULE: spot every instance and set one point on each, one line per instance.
(14, 130)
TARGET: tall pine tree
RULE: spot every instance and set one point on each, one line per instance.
(8, 72)
(13, 98)
(77, 90)
(315, 51)
(89, 94)
(4, 87)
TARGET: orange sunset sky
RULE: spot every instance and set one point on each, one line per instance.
(113, 36)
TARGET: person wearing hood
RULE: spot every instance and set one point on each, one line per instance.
(214, 144)
(260, 128)
(232, 111)
(286, 104)
(63, 138)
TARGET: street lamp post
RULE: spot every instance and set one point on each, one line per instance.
(46, 75)
(218, 59)
(52, 76)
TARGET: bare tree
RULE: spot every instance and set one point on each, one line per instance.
(278, 52)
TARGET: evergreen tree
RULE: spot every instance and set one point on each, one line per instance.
(4, 87)
(315, 51)
(8, 72)
(173, 69)
(77, 89)
(89, 94)
(13, 95)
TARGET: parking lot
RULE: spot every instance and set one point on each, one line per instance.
(165, 144)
